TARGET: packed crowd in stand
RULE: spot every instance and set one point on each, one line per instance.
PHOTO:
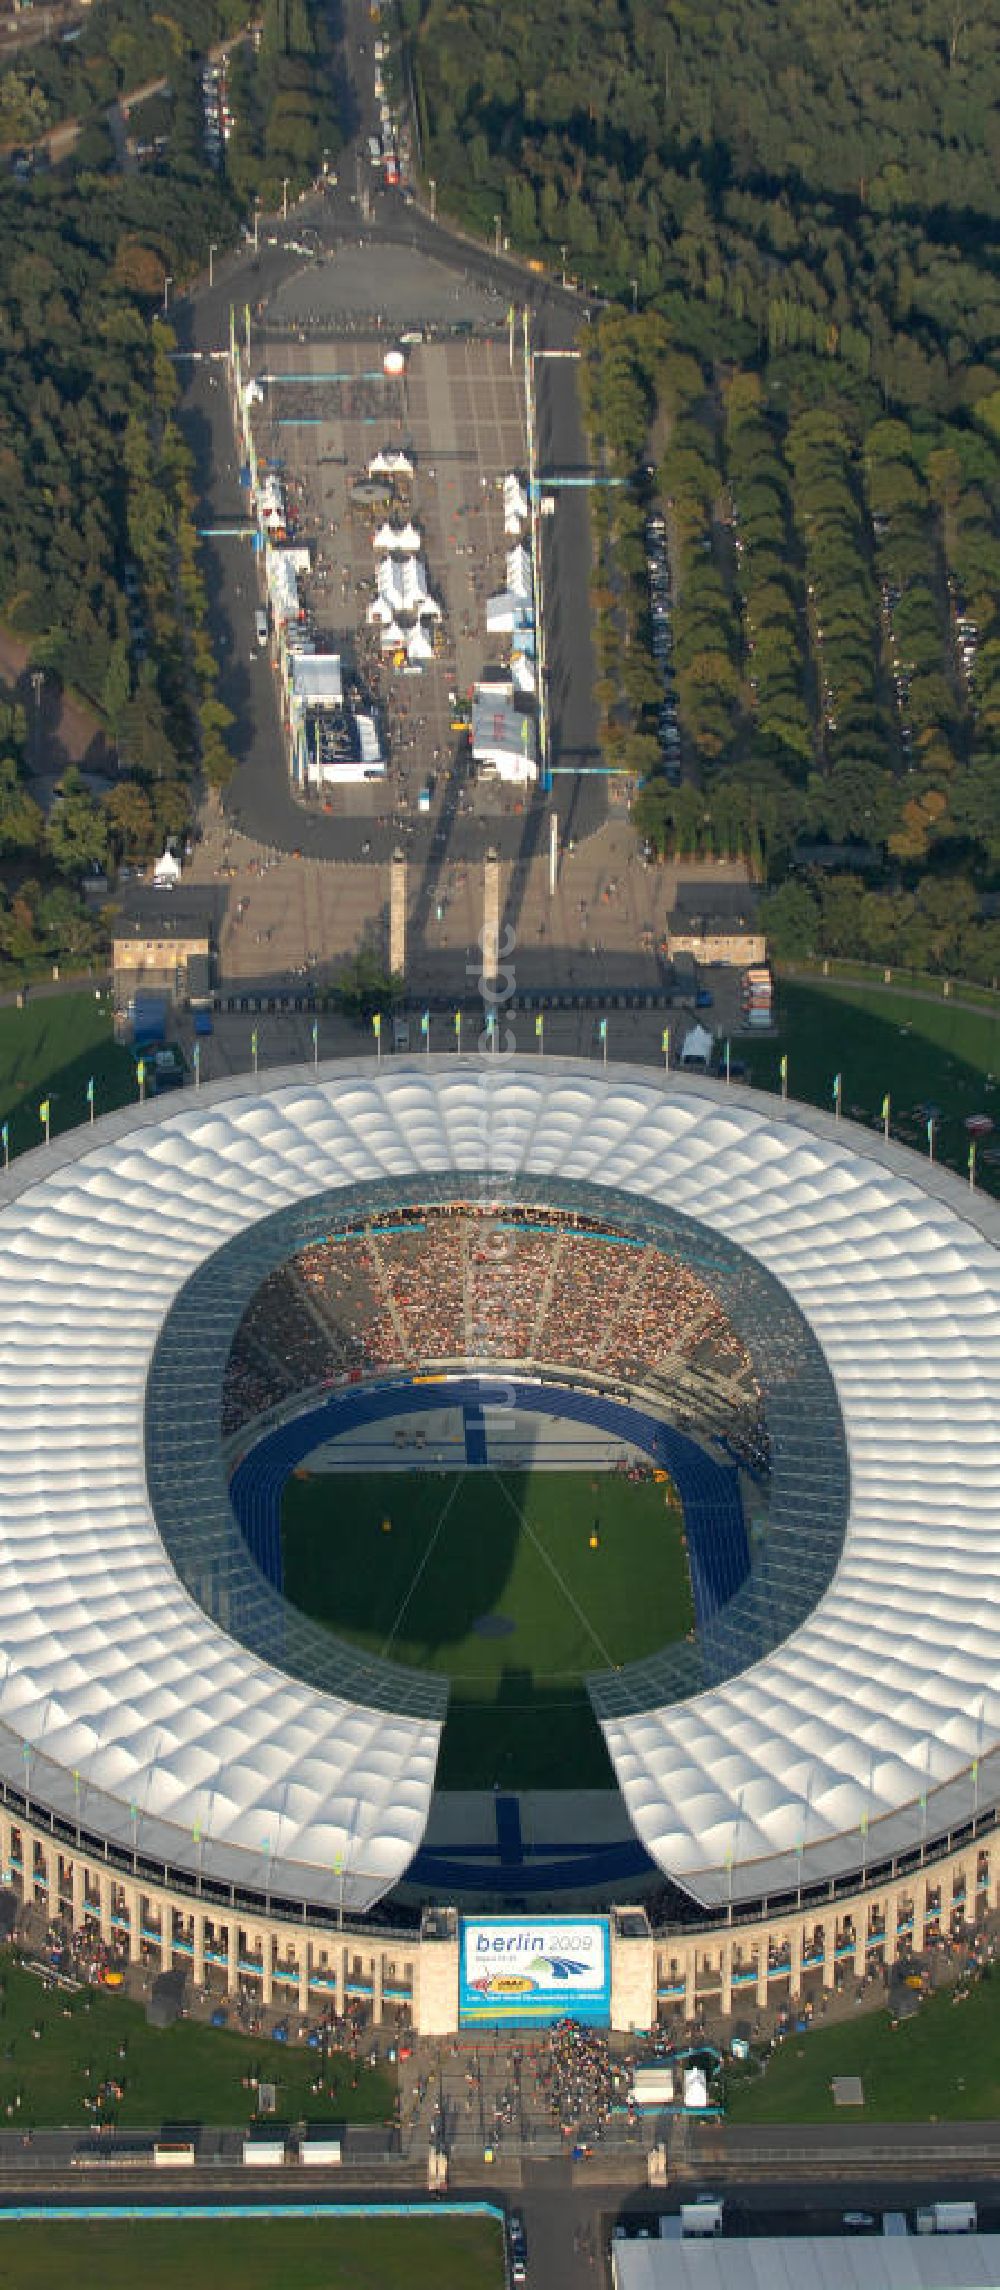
(474, 1285)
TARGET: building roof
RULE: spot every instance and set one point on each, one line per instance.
(317, 681)
(499, 725)
(188, 910)
(726, 903)
(812, 2262)
(873, 1710)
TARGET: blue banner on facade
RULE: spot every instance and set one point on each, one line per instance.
(513, 1969)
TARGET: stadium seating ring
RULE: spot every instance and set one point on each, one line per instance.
(862, 1735)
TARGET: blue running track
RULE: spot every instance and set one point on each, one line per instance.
(718, 1551)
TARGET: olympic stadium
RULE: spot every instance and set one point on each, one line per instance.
(791, 1324)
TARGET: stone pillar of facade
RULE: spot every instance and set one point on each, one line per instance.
(303, 1974)
(795, 1963)
(762, 1971)
(377, 1981)
(198, 1948)
(232, 1932)
(490, 939)
(79, 1893)
(829, 1951)
(860, 1939)
(690, 1983)
(633, 1980)
(104, 1897)
(726, 1972)
(435, 1987)
(166, 1936)
(133, 1904)
(918, 1927)
(890, 1952)
(266, 1968)
(397, 914)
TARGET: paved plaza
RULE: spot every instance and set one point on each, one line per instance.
(458, 414)
(293, 920)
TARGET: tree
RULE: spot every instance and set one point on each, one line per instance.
(21, 821)
(76, 834)
(130, 818)
(365, 987)
(790, 916)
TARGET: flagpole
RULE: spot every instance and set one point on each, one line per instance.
(253, 1048)
(377, 1031)
(315, 1041)
(930, 1139)
(5, 1142)
(425, 1028)
(197, 1065)
(665, 1047)
(972, 1166)
(886, 1116)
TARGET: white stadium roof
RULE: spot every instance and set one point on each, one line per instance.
(148, 1722)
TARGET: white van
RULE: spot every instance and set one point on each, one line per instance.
(260, 624)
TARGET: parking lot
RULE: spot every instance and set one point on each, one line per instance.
(660, 600)
(457, 413)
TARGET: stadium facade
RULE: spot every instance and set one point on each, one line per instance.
(181, 1760)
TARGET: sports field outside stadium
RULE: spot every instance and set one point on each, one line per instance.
(511, 1584)
(426, 2252)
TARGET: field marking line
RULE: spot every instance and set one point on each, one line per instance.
(607, 1659)
(446, 1507)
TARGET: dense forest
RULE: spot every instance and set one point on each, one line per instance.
(797, 215)
(100, 573)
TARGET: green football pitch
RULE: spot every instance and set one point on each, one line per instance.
(513, 1585)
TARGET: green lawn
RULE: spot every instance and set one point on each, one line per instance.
(513, 1547)
(921, 1052)
(944, 2063)
(189, 2073)
(423, 2253)
(52, 1047)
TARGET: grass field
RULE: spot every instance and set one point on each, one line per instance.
(52, 1047)
(943, 2064)
(922, 1052)
(424, 2253)
(189, 2073)
(504, 1548)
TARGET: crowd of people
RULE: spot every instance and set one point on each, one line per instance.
(575, 2078)
(471, 1284)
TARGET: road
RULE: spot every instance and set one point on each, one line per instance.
(569, 2219)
